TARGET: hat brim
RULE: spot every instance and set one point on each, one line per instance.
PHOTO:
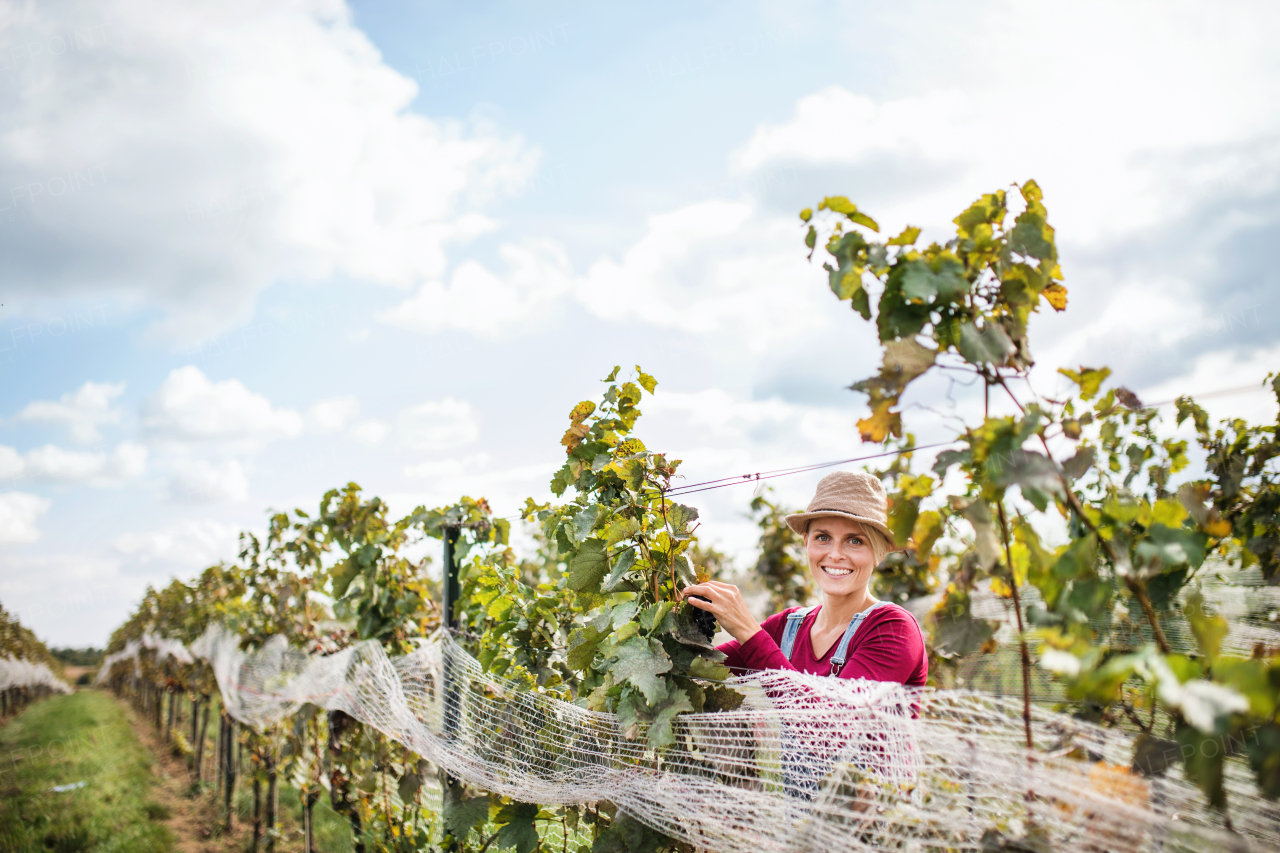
(800, 523)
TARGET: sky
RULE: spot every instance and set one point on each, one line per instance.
(252, 251)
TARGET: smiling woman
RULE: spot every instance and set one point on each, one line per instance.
(850, 634)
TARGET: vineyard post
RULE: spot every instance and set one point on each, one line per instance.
(452, 592)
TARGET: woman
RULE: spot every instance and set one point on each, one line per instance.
(850, 634)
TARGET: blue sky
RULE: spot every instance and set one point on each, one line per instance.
(253, 251)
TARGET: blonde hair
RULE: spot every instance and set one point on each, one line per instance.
(880, 544)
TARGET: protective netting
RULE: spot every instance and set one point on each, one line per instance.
(163, 647)
(22, 673)
(807, 763)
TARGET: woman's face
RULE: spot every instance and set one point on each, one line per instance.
(840, 555)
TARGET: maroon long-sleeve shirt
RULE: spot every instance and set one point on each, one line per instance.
(887, 647)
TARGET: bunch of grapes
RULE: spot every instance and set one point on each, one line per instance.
(705, 621)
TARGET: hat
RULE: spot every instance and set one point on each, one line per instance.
(858, 496)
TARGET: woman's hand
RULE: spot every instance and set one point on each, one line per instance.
(726, 604)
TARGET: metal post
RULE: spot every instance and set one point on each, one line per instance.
(452, 592)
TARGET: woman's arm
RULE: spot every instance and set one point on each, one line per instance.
(761, 651)
(754, 646)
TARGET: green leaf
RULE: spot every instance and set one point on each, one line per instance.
(1075, 467)
(628, 835)
(1165, 548)
(1203, 756)
(660, 731)
(585, 521)
(1209, 629)
(620, 528)
(461, 814)
(989, 345)
(582, 647)
(987, 210)
(520, 830)
(622, 564)
(408, 786)
(947, 458)
(942, 281)
(1264, 758)
(956, 632)
(588, 567)
(1033, 237)
(701, 667)
(1033, 472)
(681, 516)
(343, 574)
(1078, 560)
(641, 661)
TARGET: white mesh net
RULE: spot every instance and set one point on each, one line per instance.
(164, 648)
(807, 763)
(21, 673)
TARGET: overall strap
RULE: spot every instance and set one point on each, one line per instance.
(842, 650)
(794, 620)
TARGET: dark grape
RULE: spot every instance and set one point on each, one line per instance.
(705, 622)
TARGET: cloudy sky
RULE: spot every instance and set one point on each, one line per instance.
(252, 251)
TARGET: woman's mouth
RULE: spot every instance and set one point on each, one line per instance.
(835, 572)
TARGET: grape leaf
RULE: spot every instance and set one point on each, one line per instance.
(988, 345)
(622, 564)
(520, 830)
(908, 237)
(640, 661)
(588, 567)
(463, 813)
(942, 280)
(1089, 379)
(660, 733)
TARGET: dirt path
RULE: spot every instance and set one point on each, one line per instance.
(194, 822)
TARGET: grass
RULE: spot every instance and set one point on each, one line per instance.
(81, 737)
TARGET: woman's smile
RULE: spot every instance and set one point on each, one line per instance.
(836, 571)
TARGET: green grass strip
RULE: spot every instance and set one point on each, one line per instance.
(82, 737)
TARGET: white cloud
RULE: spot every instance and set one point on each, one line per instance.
(197, 481)
(18, 514)
(188, 407)
(53, 464)
(438, 425)
(370, 432)
(194, 153)
(477, 300)
(334, 414)
(187, 546)
(82, 411)
(451, 469)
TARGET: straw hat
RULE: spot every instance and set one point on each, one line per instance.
(859, 496)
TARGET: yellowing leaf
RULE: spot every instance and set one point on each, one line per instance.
(573, 435)
(582, 411)
(1056, 295)
(908, 237)
(1219, 528)
(646, 381)
(1089, 379)
(1169, 512)
(881, 423)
